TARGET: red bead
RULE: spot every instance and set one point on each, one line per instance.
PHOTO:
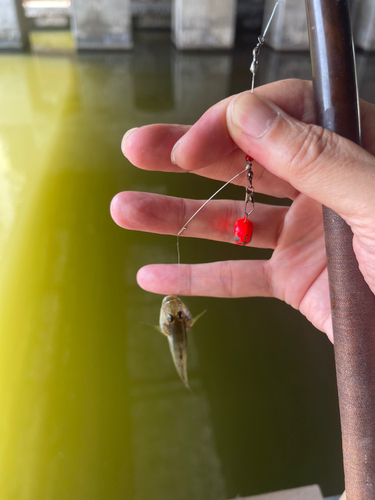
(243, 232)
(248, 158)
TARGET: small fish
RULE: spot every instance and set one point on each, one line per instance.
(175, 321)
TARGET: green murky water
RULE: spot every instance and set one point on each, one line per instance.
(91, 406)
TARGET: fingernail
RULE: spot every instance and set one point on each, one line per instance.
(174, 151)
(125, 138)
(252, 114)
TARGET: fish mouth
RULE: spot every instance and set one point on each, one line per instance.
(169, 298)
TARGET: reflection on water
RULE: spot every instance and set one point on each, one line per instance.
(91, 406)
(152, 63)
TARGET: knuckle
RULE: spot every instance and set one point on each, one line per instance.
(188, 284)
(268, 273)
(226, 279)
(312, 147)
(232, 213)
(182, 211)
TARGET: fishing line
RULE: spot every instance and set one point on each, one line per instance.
(245, 238)
(209, 199)
(255, 62)
(178, 263)
(192, 217)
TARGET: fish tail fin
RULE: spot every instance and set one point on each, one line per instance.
(185, 381)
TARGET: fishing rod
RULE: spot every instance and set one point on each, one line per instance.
(352, 302)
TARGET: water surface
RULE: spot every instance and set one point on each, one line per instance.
(91, 406)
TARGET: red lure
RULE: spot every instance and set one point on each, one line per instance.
(243, 229)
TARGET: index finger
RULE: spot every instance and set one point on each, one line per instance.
(150, 147)
(209, 139)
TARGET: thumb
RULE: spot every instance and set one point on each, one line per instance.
(328, 168)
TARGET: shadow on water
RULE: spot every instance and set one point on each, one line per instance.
(91, 405)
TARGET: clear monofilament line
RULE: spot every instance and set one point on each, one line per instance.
(178, 264)
(255, 62)
(209, 199)
(191, 218)
(271, 17)
(178, 250)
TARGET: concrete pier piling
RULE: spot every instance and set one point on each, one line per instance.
(13, 31)
(363, 16)
(288, 29)
(196, 24)
(203, 24)
(102, 24)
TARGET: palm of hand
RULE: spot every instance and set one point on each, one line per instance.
(297, 269)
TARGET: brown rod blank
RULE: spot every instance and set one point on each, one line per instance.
(352, 302)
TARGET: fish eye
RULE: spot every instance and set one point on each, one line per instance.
(170, 318)
(180, 315)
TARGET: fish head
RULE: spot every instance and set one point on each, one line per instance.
(174, 315)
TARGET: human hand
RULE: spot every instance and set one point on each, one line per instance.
(293, 159)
